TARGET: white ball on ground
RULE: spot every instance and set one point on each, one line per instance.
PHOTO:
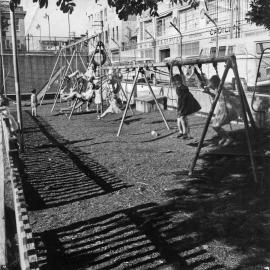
(154, 133)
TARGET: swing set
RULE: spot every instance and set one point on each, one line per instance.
(63, 65)
(230, 64)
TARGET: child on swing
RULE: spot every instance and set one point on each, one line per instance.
(228, 109)
(186, 105)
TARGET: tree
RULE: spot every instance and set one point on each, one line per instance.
(124, 8)
(259, 13)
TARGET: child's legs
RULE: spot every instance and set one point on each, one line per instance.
(183, 124)
(186, 125)
(104, 114)
(33, 110)
(179, 125)
(221, 132)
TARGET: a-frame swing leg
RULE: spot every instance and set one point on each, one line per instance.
(210, 115)
(49, 83)
(124, 93)
(242, 94)
(128, 102)
(245, 112)
(59, 89)
(73, 108)
(69, 65)
(153, 94)
(82, 62)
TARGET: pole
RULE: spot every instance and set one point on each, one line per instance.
(49, 28)
(118, 48)
(68, 28)
(181, 37)
(28, 42)
(16, 77)
(2, 58)
(128, 103)
(154, 43)
(232, 11)
(215, 24)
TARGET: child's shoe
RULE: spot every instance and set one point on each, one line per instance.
(228, 142)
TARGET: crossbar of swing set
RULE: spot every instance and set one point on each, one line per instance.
(78, 42)
(176, 62)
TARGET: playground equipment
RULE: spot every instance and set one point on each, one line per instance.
(65, 67)
(230, 63)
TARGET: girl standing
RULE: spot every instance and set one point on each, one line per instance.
(34, 102)
(186, 105)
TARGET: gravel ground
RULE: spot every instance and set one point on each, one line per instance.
(97, 201)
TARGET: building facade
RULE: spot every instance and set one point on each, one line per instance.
(119, 37)
(157, 38)
(6, 27)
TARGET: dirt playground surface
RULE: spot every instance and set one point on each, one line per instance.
(97, 201)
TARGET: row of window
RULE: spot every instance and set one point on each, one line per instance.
(189, 20)
(115, 34)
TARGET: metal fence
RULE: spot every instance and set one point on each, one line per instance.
(30, 43)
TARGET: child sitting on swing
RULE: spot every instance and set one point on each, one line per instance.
(186, 105)
(113, 108)
(228, 109)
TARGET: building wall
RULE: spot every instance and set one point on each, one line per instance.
(34, 71)
(111, 26)
(196, 28)
(20, 25)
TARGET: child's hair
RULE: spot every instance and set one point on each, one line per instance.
(177, 78)
(34, 91)
(4, 101)
(91, 80)
(215, 81)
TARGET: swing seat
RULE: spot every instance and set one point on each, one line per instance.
(147, 104)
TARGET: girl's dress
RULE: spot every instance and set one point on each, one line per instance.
(97, 97)
(186, 104)
(113, 108)
(228, 109)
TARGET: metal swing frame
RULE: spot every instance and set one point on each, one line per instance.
(64, 67)
(231, 63)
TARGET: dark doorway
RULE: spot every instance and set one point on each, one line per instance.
(164, 54)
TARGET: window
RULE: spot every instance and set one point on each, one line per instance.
(148, 27)
(101, 16)
(213, 51)
(163, 24)
(149, 53)
(105, 14)
(113, 33)
(262, 46)
(213, 9)
(117, 33)
(17, 24)
(106, 36)
(189, 49)
(231, 50)
(222, 51)
(188, 20)
(141, 31)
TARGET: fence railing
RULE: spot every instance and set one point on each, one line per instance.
(26, 243)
